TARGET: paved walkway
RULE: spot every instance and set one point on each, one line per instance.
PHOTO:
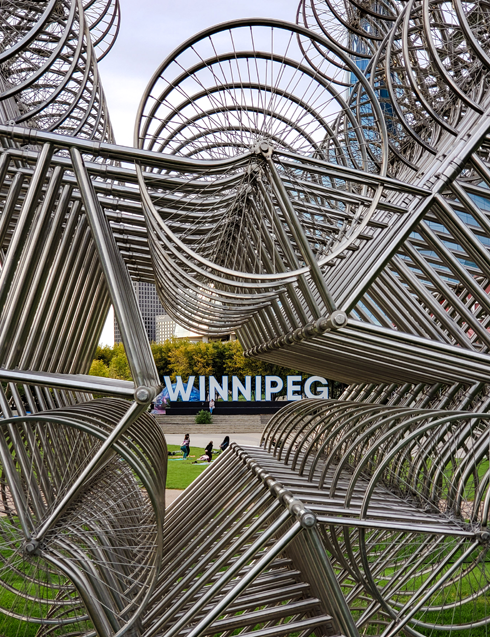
(171, 495)
(201, 440)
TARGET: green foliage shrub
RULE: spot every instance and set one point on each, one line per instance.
(98, 368)
(204, 417)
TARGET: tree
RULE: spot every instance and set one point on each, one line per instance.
(235, 363)
(99, 368)
(203, 360)
(104, 354)
(180, 360)
(119, 367)
(161, 355)
(221, 353)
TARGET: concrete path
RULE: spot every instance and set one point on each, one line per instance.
(201, 440)
(171, 495)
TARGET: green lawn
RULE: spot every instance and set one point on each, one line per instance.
(180, 473)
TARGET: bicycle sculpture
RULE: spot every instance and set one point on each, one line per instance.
(320, 187)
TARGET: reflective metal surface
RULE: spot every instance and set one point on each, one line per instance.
(319, 187)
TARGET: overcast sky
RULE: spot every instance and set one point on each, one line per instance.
(150, 30)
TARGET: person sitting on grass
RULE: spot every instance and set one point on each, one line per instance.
(186, 446)
(208, 454)
(225, 444)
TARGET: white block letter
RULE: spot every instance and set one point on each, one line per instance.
(270, 388)
(179, 389)
(258, 388)
(237, 386)
(294, 385)
(214, 386)
(202, 387)
(322, 391)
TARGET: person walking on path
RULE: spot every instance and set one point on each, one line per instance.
(186, 446)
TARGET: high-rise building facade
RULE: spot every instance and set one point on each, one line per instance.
(164, 328)
(150, 306)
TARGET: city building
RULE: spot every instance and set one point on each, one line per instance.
(150, 306)
(164, 328)
(159, 325)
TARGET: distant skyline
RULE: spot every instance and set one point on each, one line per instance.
(151, 30)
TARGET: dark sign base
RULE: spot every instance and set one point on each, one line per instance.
(228, 408)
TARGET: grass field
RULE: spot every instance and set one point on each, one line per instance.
(180, 473)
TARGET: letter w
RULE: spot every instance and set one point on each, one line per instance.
(173, 394)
